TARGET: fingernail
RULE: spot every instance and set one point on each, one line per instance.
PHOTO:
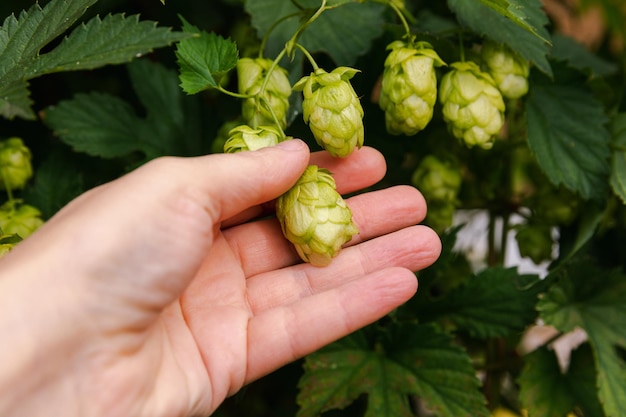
(291, 145)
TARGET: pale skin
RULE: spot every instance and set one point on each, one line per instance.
(159, 295)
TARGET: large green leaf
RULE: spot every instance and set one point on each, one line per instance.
(548, 391)
(100, 124)
(204, 59)
(594, 300)
(115, 39)
(21, 38)
(520, 24)
(567, 132)
(494, 303)
(413, 360)
(15, 100)
(345, 32)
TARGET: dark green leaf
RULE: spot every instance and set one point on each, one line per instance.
(23, 37)
(547, 391)
(618, 159)
(567, 132)
(344, 33)
(204, 59)
(115, 39)
(594, 300)
(579, 57)
(494, 303)
(15, 101)
(413, 360)
(97, 124)
(520, 24)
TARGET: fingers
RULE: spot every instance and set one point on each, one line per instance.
(281, 335)
(262, 247)
(412, 248)
(363, 168)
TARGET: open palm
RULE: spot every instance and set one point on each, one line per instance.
(174, 290)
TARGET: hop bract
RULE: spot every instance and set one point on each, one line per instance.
(252, 75)
(246, 138)
(19, 219)
(332, 110)
(472, 105)
(15, 164)
(315, 218)
(508, 69)
(409, 87)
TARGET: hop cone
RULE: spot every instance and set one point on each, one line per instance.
(15, 164)
(438, 180)
(251, 75)
(315, 218)
(19, 219)
(409, 87)
(332, 110)
(245, 138)
(508, 69)
(472, 105)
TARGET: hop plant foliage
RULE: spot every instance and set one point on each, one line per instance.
(332, 110)
(409, 87)
(473, 106)
(315, 218)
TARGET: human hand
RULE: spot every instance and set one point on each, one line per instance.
(155, 295)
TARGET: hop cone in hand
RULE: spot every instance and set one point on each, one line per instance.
(332, 110)
(508, 69)
(315, 218)
(15, 164)
(409, 87)
(252, 74)
(472, 105)
(245, 138)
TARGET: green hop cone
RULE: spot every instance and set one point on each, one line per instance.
(409, 87)
(440, 215)
(332, 110)
(5, 248)
(15, 164)
(508, 69)
(252, 74)
(314, 217)
(437, 180)
(473, 107)
(244, 138)
(535, 242)
(19, 219)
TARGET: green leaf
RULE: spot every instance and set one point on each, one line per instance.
(204, 59)
(520, 24)
(344, 32)
(412, 360)
(494, 303)
(547, 391)
(15, 100)
(103, 125)
(23, 37)
(113, 40)
(594, 300)
(96, 123)
(579, 57)
(567, 132)
(618, 157)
